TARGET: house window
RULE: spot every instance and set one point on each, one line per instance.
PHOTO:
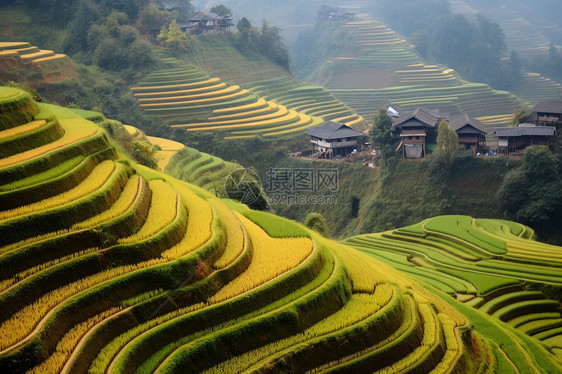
(417, 137)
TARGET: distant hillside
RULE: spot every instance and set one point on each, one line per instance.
(108, 266)
(383, 69)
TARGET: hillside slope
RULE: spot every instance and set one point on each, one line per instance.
(107, 266)
(383, 69)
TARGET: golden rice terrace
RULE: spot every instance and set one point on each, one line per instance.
(109, 267)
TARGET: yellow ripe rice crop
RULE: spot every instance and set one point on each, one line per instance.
(93, 182)
(361, 268)
(57, 56)
(103, 359)
(235, 236)
(247, 121)
(272, 257)
(197, 101)
(195, 96)
(246, 113)
(23, 322)
(168, 148)
(28, 127)
(66, 345)
(163, 210)
(243, 108)
(126, 199)
(5, 284)
(32, 240)
(171, 86)
(166, 144)
(134, 132)
(75, 129)
(355, 122)
(199, 220)
(358, 308)
(303, 121)
(41, 53)
(210, 88)
(289, 116)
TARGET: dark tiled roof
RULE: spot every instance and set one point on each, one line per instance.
(426, 117)
(201, 16)
(461, 122)
(333, 130)
(525, 131)
(548, 107)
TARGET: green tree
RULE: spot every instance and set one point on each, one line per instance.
(380, 132)
(447, 144)
(185, 10)
(531, 195)
(221, 10)
(151, 18)
(271, 45)
(317, 222)
(174, 39)
(247, 36)
(144, 153)
(520, 115)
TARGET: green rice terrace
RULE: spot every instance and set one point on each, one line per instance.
(488, 265)
(187, 98)
(387, 71)
(107, 266)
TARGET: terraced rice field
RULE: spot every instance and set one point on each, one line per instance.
(403, 80)
(27, 53)
(311, 100)
(486, 264)
(135, 271)
(522, 37)
(200, 168)
(187, 98)
(539, 88)
(475, 99)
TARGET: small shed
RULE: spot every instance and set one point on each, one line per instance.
(513, 140)
(334, 139)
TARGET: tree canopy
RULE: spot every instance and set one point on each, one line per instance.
(380, 132)
(221, 10)
(174, 39)
(315, 221)
(447, 144)
(530, 194)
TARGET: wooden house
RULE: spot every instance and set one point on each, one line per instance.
(334, 139)
(547, 113)
(413, 128)
(417, 128)
(513, 140)
(202, 22)
(335, 14)
(471, 132)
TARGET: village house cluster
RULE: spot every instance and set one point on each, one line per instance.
(413, 130)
